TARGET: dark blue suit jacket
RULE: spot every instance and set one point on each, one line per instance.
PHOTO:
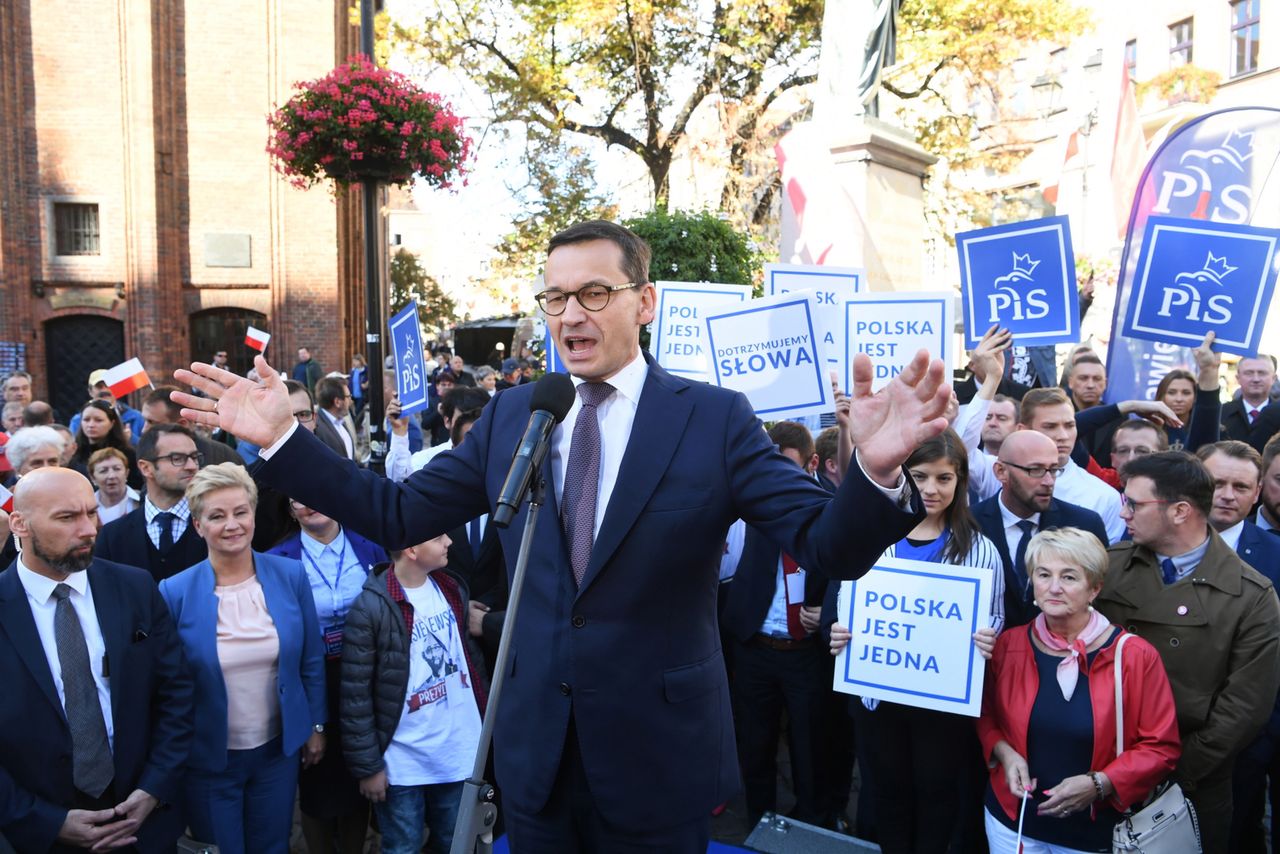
(369, 554)
(633, 653)
(151, 703)
(125, 540)
(1018, 611)
(194, 606)
(1260, 550)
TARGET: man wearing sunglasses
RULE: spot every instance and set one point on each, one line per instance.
(158, 536)
(615, 729)
(1213, 618)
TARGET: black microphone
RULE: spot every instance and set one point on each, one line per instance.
(553, 397)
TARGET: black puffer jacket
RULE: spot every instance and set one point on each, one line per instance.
(375, 664)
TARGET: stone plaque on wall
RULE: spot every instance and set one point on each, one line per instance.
(228, 250)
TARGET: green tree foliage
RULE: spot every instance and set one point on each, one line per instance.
(695, 247)
(436, 309)
(630, 73)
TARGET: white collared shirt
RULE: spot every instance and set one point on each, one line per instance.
(335, 574)
(132, 498)
(1231, 536)
(1077, 486)
(616, 415)
(1012, 533)
(1250, 407)
(40, 597)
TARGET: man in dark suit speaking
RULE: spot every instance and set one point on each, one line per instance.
(95, 720)
(615, 732)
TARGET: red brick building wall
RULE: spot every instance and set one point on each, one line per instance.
(155, 111)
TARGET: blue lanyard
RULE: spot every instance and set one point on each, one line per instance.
(334, 588)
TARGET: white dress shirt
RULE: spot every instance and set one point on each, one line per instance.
(1231, 536)
(982, 472)
(40, 597)
(1012, 533)
(1077, 486)
(340, 425)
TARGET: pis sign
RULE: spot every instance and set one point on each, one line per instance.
(1020, 277)
(1195, 277)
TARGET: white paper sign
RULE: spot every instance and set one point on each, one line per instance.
(831, 287)
(912, 625)
(768, 349)
(891, 327)
(678, 338)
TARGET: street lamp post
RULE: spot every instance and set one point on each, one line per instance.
(375, 303)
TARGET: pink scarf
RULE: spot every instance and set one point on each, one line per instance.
(1069, 667)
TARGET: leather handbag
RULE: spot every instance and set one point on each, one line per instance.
(1166, 821)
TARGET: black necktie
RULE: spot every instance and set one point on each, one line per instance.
(1028, 529)
(92, 766)
(165, 518)
(474, 536)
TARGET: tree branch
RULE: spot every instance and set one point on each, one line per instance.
(924, 84)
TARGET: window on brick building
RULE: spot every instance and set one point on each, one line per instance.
(1131, 58)
(75, 228)
(1244, 36)
(1180, 43)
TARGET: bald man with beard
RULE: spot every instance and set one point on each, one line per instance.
(95, 720)
(1027, 469)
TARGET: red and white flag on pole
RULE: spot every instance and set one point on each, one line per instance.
(1129, 155)
(1050, 190)
(126, 377)
(257, 339)
(6, 500)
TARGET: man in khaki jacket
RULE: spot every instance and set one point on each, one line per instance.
(1214, 619)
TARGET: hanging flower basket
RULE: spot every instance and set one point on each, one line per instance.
(361, 122)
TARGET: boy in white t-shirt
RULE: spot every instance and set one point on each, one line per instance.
(410, 707)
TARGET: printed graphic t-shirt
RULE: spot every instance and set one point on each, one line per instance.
(439, 722)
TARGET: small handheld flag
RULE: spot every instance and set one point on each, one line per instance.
(6, 500)
(257, 339)
(126, 377)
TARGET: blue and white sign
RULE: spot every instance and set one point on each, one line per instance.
(1022, 277)
(555, 365)
(677, 334)
(831, 286)
(891, 327)
(411, 373)
(768, 349)
(912, 625)
(1196, 277)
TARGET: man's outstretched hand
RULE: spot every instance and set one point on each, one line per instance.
(258, 412)
(888, 425)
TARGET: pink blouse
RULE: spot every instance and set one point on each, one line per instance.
(249, 652)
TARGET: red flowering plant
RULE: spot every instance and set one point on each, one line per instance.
(362, 122)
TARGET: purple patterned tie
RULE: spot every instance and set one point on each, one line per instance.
(582, 478)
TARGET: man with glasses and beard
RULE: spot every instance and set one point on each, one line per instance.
(158, 535)
(95, 724)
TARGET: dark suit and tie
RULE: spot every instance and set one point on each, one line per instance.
(127, 541)
(1250, 424)
(41, 774)
(1018, 607)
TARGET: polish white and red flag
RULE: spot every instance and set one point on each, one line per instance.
(257, 339)
(6, 500)
(126, 377)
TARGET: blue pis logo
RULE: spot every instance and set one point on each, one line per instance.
(1210, 183)
(1012, 297)
(1191, 293)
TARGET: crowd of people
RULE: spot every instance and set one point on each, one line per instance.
(213, 610)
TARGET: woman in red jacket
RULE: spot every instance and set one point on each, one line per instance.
(1048, 713)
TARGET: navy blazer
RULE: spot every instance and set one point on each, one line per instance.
(632, 654)
(1018, 611)
(125, 540)
(369, 554)
(1235, 423)
(1260, 550)
(151, 699)
(191, 599)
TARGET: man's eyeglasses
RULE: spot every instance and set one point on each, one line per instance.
(1037, 472)
(591, 297)
(1132, 506)
(304, 415)
(180, 460)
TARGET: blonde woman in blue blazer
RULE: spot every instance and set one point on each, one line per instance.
(252, 641)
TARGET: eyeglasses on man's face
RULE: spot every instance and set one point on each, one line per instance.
(554, 301)
(180, 460)
(304, 415)
(1037, 472)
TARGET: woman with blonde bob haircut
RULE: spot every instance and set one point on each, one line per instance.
(1048, 712)
(249, 630)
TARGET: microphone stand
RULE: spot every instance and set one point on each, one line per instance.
(477, 814)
